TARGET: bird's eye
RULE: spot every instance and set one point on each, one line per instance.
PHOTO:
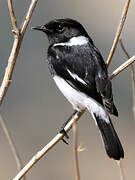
(60, 28)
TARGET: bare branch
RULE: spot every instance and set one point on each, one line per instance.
(132, 76)
(10, 67)
(133, 87)
(118, 32)
(124, 49)
(13, 18)
(76, 163)
(16, 47)
(48, 147)
(28, 16)
(122, 67)
(12, 145)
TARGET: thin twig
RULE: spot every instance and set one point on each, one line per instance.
(59, 136)
(132, 75)
(124, 49)
(12, 145)
(28, 16)
(76, 163)
(118, 32)
(16, 47)
(133, 88)
(122, 67)
(122, 175)
(9, 69)
(18, 36)
(11, 61)
(13, 18)
(49, 146)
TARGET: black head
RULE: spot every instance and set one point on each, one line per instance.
(61, 30)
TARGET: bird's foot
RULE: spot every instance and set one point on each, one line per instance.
(62, 131)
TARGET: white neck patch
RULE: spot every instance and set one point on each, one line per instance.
(75, 41)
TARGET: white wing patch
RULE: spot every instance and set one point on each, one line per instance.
(75, 41)
(76, 77)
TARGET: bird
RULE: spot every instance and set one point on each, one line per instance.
(81, 74)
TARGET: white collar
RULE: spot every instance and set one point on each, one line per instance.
(75, 41)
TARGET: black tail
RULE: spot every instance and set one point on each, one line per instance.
(111, 141)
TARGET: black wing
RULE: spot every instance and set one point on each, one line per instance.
(85, 70)
(103, 83)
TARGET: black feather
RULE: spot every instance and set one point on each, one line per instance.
(110, 138)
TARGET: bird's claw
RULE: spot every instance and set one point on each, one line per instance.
(62, 131)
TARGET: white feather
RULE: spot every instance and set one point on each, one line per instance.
(75, 41)
(80, 100)
(75, 76)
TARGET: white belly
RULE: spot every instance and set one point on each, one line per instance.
(78, 99)
(74, 97)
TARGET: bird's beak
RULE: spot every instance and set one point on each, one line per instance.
(42, 28)
(39, 28)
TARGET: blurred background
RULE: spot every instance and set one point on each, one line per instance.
(34, 109)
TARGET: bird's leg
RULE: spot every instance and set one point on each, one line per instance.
(62, 130)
